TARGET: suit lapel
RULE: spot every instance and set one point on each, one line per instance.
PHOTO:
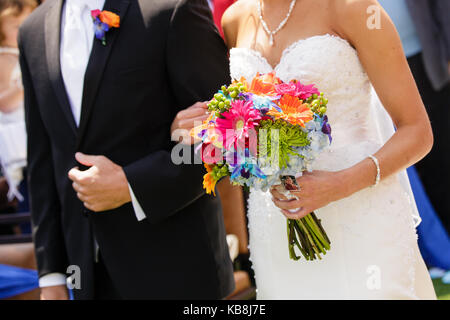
(97, 63)
(52, 46)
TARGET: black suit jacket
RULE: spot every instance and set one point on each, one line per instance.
(165, 56)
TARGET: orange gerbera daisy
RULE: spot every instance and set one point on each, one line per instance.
(264, 84)
(209, 183)
(293, 110)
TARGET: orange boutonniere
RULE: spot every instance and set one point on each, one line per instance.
(103, 22)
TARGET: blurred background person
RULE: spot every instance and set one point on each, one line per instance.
(424, 28)
(18, 280)
(218, 7)
(12, 124)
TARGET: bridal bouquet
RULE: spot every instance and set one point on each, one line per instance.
(262, 134)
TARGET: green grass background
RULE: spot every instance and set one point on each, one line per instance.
(442, 290)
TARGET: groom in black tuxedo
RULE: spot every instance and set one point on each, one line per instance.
(105, 194)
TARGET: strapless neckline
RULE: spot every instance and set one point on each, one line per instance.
(294, 44)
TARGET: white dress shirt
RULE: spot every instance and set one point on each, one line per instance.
(77, 36)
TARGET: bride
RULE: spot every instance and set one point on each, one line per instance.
(359, 188)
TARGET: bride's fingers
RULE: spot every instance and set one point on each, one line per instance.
(297, 215)
(297, 193)
(278, 195)
(288, 205)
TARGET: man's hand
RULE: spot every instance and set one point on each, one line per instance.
(103, 186)
(54, 293)
(186, 119)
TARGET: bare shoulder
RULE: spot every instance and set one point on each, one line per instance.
(351, 15)
(359, 19)
(354, 9)
(232, 17)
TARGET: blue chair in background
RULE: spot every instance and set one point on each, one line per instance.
(434, 242)
(15, 281)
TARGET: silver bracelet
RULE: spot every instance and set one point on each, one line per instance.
(377, 179)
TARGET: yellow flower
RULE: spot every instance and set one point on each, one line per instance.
(209, 183)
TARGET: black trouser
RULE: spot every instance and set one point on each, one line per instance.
(104, 287)
(434, 170)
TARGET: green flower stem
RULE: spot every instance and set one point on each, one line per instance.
(319, 224)
(308, 244)
(316, 239)
(317, 231)
(291, 241)
(299, 246)
(302, 225)
(308, 235)
(303, 242)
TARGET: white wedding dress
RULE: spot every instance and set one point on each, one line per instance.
(374, 252)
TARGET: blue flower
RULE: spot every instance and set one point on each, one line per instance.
(262, 103)
(100, 30)
(241, 167)
(326, 128)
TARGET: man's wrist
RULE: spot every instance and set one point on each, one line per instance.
(126, 187)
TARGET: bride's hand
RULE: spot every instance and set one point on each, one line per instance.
(317, 189)
(185, 120)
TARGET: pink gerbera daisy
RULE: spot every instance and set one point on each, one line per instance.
(238, 122)
(304, 92)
